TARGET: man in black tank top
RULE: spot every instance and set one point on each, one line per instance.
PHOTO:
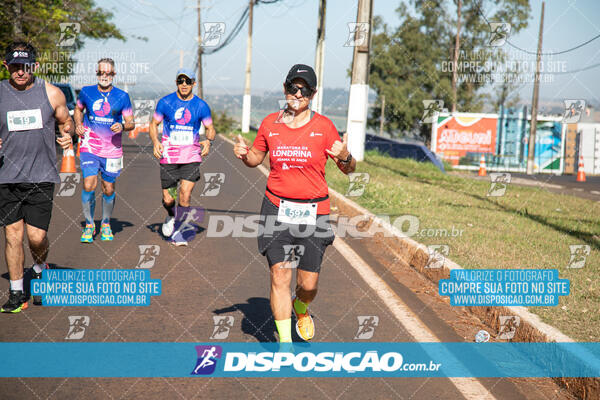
(29, 109)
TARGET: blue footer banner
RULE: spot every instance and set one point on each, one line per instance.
(236, 359)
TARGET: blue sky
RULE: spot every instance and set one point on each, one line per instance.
(285, 33)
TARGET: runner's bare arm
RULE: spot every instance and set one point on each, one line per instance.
(347, 168)
(339, 152)
(211, 133)
(128, 123)
(153, 132)
(78, 117)
(61, 114)
(251, 157)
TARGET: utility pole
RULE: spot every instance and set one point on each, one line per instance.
(199, 74)
(382, 117)
(455, 60)
(534, 102)
(358, 101)
(246, 100)
(181, 53)
(317, 103)
(18, 14)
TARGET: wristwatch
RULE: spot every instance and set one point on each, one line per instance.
(347, 160)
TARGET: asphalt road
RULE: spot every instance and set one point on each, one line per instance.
(226, 276)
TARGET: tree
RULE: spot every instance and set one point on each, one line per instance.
(223, 122)
(413, 62)
(39, 22)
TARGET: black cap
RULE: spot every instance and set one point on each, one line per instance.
(20, 57)
(304, 72)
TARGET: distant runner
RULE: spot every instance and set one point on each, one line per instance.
(298, 142)
(107, 114)
(29, 109)
(180, 150)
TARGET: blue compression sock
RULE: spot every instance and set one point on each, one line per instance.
(108, 204)
(88, 201)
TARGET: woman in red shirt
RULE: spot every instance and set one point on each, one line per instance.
(295, 229)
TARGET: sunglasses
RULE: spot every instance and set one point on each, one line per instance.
(100, 73)
(291, 88)
(182, 80)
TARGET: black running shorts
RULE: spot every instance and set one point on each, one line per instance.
(303, 246)
(170, 174)
(31, 202)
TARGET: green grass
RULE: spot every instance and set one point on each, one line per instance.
(525, 228)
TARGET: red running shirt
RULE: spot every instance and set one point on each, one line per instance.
(297, 157)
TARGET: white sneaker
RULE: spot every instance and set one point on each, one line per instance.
(168, 226)
(178, 240)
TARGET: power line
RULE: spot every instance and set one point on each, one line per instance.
(578, 70)
(556, 53)
(236, 29)
(234, 32)
(478, 4)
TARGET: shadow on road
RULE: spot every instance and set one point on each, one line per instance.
(27, 276)
(116, 225)
(258, 319)
(156, 228)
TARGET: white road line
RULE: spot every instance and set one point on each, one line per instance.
(470, 388)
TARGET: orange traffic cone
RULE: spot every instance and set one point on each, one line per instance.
(482, 171)
(68, 161)
(580, 171)
(78, 147)
(133, 133)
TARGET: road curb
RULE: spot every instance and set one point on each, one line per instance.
(416, 255)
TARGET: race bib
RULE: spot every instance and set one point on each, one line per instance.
(297, 213)
(114, 164)
(24, 120)
(181, 137)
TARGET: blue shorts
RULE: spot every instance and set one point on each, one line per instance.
(91, 164)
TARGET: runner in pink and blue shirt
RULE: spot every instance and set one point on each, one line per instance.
(103, 112)
(184, 117)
